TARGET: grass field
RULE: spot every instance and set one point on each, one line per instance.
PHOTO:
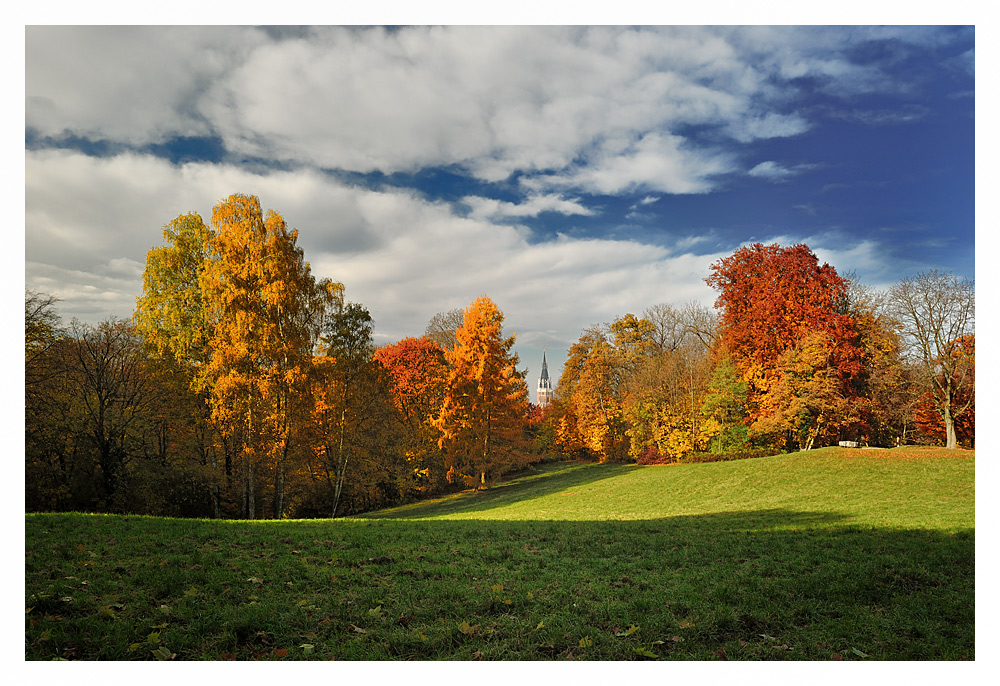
(827, 555)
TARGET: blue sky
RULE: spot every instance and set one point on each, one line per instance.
(571, 174)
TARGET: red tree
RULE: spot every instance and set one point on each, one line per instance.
(418, 377)
(771, 298)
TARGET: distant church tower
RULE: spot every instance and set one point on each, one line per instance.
(545, 392)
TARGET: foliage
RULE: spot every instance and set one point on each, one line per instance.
(769, 297)
(418, 375)
(807, 396)
(352, 413)
(485, 404)
(170, 314)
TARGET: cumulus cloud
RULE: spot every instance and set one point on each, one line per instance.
(602, 109)
(416, 257)
(403, 256)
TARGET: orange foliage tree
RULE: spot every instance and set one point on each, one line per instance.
(771, 298)
(485, 405)
(265, 308)
(418, 375)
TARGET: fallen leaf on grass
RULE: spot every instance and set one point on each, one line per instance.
(631, 630)
(466, 629)
(836, 656)
(586, 642)
(280, 652)
(162, 653)
(859, 653)
(644, 653)
(356, 629)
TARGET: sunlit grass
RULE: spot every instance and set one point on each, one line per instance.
(820, 555)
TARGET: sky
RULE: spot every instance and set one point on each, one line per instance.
(572, 174)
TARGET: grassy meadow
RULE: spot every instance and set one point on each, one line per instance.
(834, 554)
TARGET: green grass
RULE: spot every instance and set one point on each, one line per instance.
(859, 555)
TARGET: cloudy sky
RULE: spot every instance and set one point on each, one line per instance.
(571, 174)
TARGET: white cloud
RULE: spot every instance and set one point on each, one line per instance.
(403, 257)
(490, 208)
(773, 171)
(602, 109)
(131, 84)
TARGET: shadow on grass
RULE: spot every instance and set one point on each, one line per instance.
(548, 480)
(765, 584)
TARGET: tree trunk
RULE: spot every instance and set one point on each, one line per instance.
(951, 440)
(278, 505)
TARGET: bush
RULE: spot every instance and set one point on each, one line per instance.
(653, 456)
(693, 458)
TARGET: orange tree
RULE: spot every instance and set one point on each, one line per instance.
(265, 308)
(770, 299)
(485, 405)
(418, 374)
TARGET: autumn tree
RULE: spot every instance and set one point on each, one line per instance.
(884, 386)
(170, 314)
(589, 407)
(54, 430)
(352, 414)
(418, 375)
(665, 390)
(937, 311)
(172, 319)
(486, 400)
(264, 307)
(725, 409)
(807, 396)
(927, 416)
(770, 299)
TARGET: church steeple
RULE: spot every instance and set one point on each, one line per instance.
(545, 392)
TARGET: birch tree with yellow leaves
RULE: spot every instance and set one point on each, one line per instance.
(266, 309)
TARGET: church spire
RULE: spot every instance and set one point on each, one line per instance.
(545, 392)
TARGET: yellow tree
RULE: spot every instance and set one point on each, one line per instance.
(266, 309)
(486, 401)
(170, 317)
(170, 314)
(807, 399)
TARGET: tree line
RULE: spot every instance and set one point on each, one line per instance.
(245, 387)
(793, 356)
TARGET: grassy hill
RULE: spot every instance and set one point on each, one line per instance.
(831, 554)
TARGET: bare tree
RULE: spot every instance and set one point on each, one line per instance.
(442, 327)
(114, 389)
(936, 311)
